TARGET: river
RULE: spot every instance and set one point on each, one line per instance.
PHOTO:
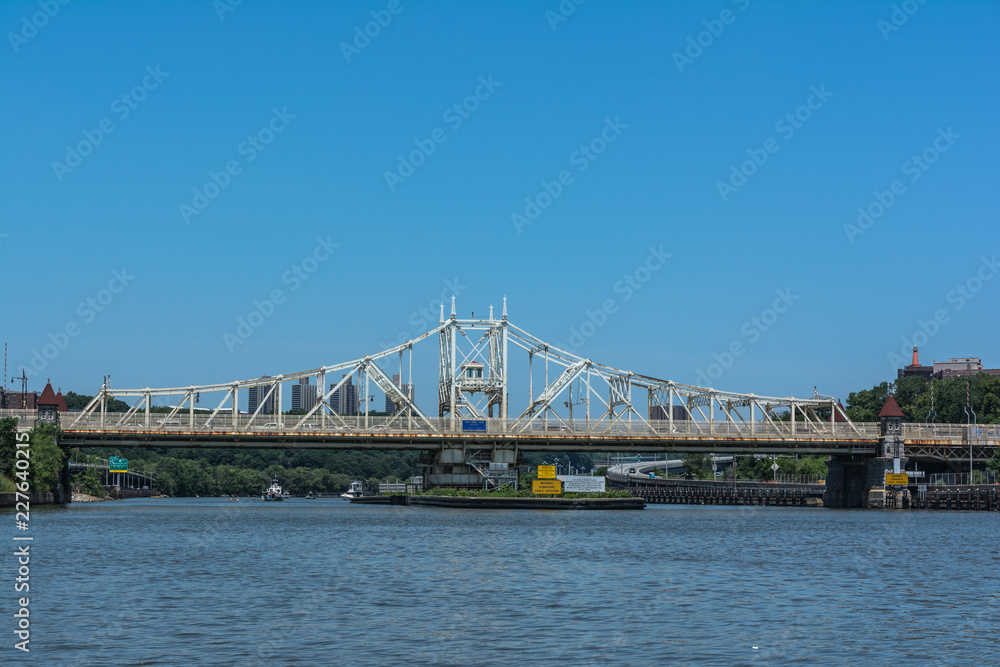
(217, 582)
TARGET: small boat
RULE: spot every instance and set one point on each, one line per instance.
(310, 496)
(354, 491)
(274, 491)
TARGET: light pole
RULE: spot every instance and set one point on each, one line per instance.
(970, 419)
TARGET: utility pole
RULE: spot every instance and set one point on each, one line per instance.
(24, 385)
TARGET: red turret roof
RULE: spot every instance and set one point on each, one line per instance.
(840, 415)
(890, 409)
(61, 404)
(48, 396)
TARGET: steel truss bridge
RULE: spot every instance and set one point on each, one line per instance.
(574, 404)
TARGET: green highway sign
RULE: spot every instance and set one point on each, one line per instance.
(116, 464)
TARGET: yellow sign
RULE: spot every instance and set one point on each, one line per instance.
(896, 480)
(551, 486)
(546, 472)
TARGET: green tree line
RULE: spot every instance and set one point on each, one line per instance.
(699, 466)
(208, 472)
(914, 397)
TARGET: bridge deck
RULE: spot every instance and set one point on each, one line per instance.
(941, 442)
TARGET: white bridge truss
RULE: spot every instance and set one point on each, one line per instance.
(473, 384)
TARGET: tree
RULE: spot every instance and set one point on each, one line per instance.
(88, 481)
(907, 391)
(913, 394)
(8, 445)
(993, 464)
(697, 466)
(76, 401)
(864, 405)
(47, 459)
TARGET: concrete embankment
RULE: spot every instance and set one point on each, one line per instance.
(490, 502)
(10, 499)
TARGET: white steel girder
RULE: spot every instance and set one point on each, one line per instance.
(457, 394)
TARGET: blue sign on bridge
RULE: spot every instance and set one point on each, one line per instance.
(474, 425)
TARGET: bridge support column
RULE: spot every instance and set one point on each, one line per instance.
(845, 481)
(859, 481)
(464, 465)
(447, 467)
(877, 495)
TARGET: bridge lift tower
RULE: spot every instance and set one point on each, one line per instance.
(472, 385)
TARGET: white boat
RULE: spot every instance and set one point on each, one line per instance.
(273, 492)
(354, 491)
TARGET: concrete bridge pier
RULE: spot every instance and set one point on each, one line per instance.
(464, 465)
(846, 481)
(880, 496)
(859, 481)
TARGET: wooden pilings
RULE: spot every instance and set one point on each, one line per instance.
(985, 498)
(727, 494)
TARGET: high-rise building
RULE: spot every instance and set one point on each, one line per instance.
(303, 395)
(407, 390)
(256, 394)
(344, 401)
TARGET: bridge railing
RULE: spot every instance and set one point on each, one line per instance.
(959, 478)
(963, 432)
(25, 418)
(290, 424)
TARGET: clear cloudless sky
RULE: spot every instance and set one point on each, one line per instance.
(348, 107)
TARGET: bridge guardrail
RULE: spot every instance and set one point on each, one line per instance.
(952, 431)
(289, 424)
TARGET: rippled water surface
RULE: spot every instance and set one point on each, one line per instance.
(212, 581)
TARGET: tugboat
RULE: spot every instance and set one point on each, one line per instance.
(354, 491)
(274, 491)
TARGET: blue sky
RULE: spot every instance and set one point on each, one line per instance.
(619, 100)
